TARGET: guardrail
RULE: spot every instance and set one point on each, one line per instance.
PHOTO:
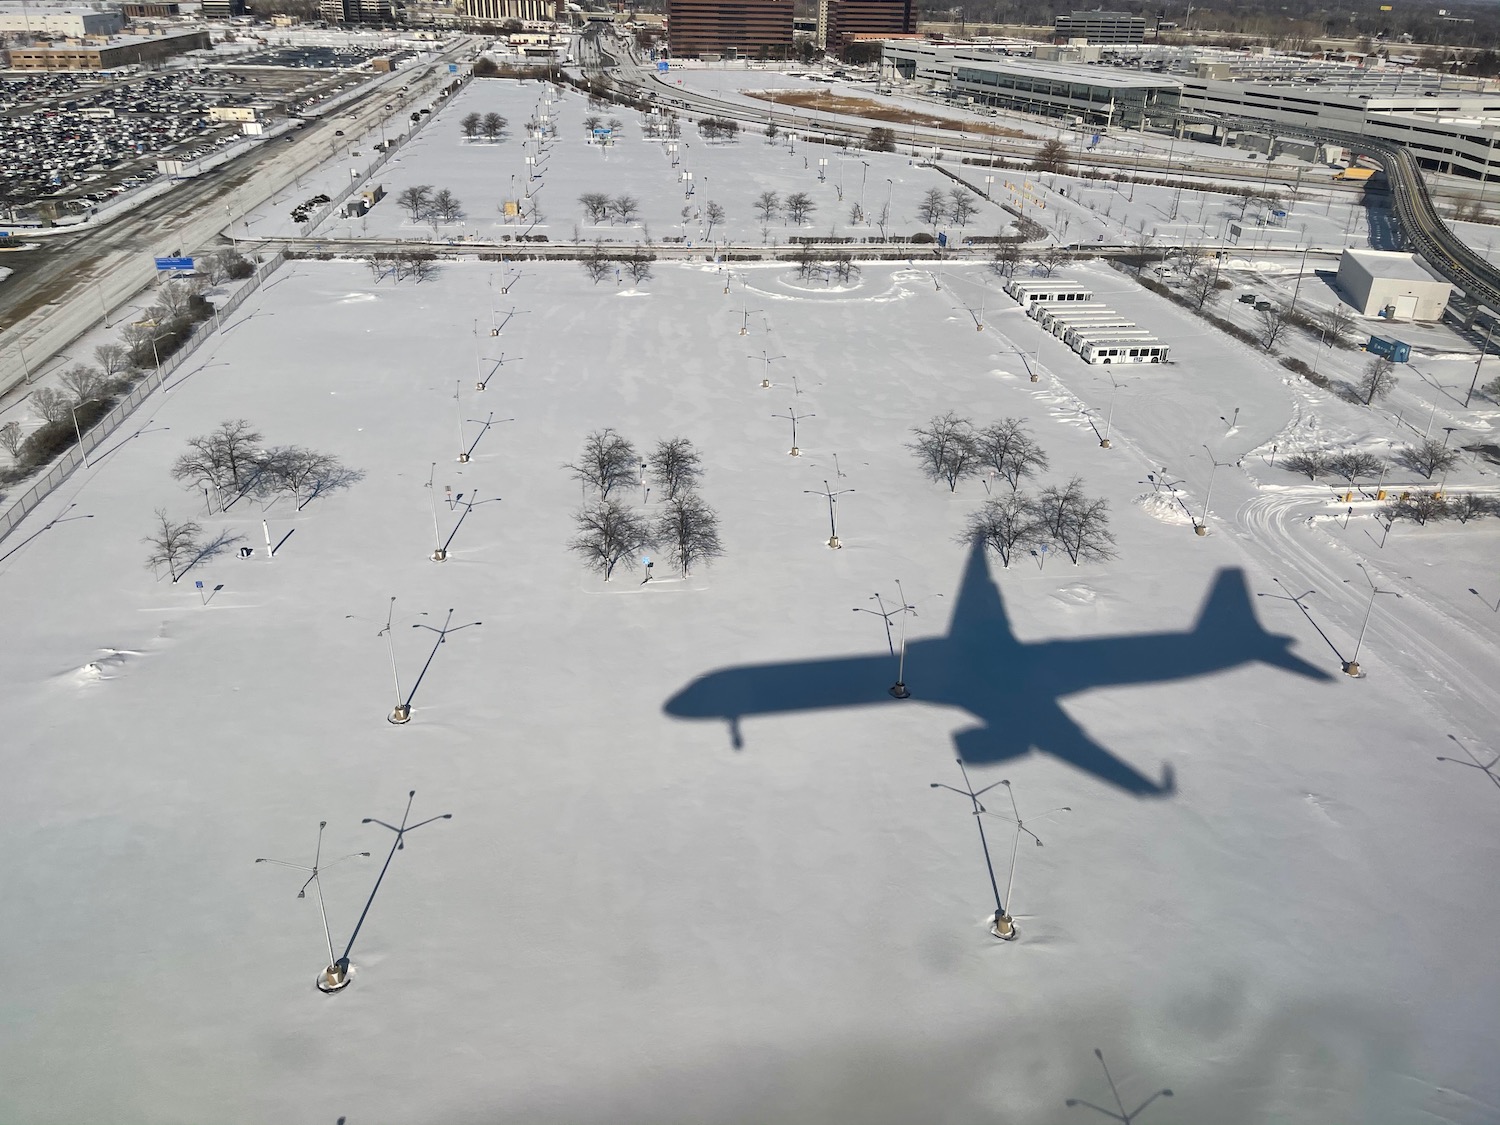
(63, 467)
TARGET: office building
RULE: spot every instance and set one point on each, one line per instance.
(74, 23)
(126, 51)
(1092, 95)
(222, 9)
(730, 28)
(848, 19)
(1100, 27)
(497, 11)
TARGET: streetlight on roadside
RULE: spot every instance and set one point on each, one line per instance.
(1351, 666)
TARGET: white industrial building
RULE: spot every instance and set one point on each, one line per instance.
(1392, 285)
(49, 21)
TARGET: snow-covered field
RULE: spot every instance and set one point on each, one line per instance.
(630, 918)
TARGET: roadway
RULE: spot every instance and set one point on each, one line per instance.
(61, 290)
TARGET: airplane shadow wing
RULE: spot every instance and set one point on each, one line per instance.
(1047, 728)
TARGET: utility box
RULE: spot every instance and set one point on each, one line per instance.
(1397, 351)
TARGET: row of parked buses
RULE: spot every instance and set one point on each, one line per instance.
(1096, 332)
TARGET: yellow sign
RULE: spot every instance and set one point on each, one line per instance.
(1385, 7)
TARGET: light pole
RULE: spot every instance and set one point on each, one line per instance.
(1201, 527)
(332, 970)
(795, 417)
(1351, 666)
(1474, 382)
(463, 454)
(73, 410)
(1001, 925)
(833, 530)
(439, 552)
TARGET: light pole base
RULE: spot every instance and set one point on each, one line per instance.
(1036, 378)
(1351, 668)
(334, 978)
(440, 555)
(794, 452)
(744, 331)
(1104, 443)
(765, 384)
(898, 690)
(1003, 928)
(833, 541)
(1200, 529)
(463, 458)
(479, 386)
(401, 713)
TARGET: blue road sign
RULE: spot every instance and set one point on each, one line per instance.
(174, 263)
(199, 585)
(452, 68)
(1095, 141)
(661, 66)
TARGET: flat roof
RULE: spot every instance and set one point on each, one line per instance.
(1060, 71)
(1393, 264)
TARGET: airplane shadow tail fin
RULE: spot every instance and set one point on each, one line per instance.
(1228, 619)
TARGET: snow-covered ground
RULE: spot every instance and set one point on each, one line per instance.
(630, 918)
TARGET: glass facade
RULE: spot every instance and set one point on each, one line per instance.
(1097, 103)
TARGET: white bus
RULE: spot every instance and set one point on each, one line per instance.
(1115, 329)
(1068, 314)
(1124, 351)
(1038, 309)
(1059, 325)
(1032, 289)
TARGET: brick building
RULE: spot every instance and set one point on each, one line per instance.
(742, 28)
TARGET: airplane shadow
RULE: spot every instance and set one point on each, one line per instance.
(1012, 689)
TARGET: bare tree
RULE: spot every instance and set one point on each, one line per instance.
(471, 125)
(11, 437)
(419, 266)
(1007, 524)
(715, 215)
(595, 206)
(596, 263)
(112, 359)
(1313, 463)
(51, 404)
(1378, 380)
(1272, 321)
(1336, 321)
(235, 266)
(301, 473)
(883, 219)
(844, 268)
(1051, 157)
(1420, 507)
(1050, 260)
(86, 383)
(799, 207)
(767, 204)
(1352, 464)
(607, 462)
(961, 205)
(1084, 531)
(226, 457)
(446, 207)
(415, 201)
(639, 268)
(1427, 457)
(934, 208)
(1007, 257)
(592, 122)
(173, 545)
(493, 125)
(1056, 506)
(946, 449)
(688, 529)
(1006, 447)
(624, 208)
(1202, 287)
(676, 466)
(1142, 246)
(1471, 506)
(609, 532)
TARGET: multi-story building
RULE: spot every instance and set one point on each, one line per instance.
(743, 28)
(1096, 95)
(151, 10)
(847, 19)
(1100, 27)
(135, 49)
(356, 11)
(75, 23)
(222, 9)
(497, 11)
